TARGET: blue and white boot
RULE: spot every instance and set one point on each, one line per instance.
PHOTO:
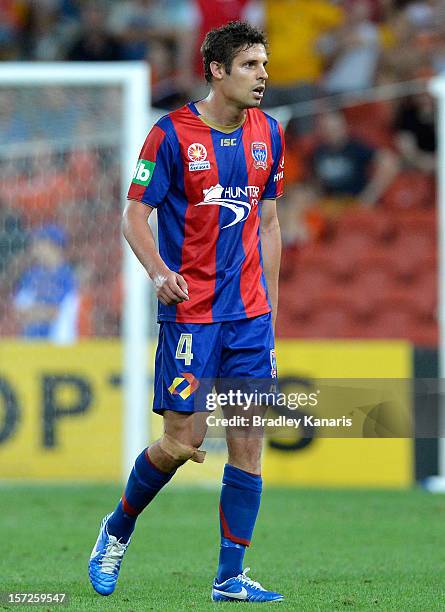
(105, 560)
(243, 588)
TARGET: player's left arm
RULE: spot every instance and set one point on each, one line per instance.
(270, 237)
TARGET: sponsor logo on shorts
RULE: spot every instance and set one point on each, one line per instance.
(184, 385)
(197, 154)
(144, 172)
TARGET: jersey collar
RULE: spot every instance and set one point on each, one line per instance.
(215, 126)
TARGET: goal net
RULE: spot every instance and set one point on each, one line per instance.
(70, 136)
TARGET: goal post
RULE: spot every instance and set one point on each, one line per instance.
(133, 79)
(437, 88)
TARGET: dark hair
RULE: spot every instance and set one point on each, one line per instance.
(222, 44)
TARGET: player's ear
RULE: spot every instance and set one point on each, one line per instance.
(217, 70)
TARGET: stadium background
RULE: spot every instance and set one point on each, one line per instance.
(358, 287)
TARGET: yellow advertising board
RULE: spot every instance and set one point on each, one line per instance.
(345, 462)
(60, 411)
(342, 462)
(61, 417)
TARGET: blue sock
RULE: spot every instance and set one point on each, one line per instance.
(145, 481)
(238, 509)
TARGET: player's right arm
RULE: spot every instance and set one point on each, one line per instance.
(171, 287)
(148, 190)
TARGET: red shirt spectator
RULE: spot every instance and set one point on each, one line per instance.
(215, 14)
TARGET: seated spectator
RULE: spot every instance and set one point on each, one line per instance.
(416, 132)
(294, 30)
(13, 14)
(138, 23)
(302, 220)
(37, 189)
(344, 168)
(46, 298)
(209, 15)
(352, 51)
(94, 43)
(166, 90)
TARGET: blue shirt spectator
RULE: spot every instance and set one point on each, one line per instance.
(46, 295)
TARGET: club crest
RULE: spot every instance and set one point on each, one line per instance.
(259, 154)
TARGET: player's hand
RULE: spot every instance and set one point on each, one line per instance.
(171, 288)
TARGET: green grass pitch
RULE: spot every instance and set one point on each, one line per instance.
(324, 549)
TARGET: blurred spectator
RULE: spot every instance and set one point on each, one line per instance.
(378, 10)
(161, 33)
(214, 14)
(44, 35)
(294, 28)
(302, 220)
(13, 15)
(94, 43)
(417, 30)
(416, 132)
(166, 88)
(46, 299)
(36, 189)
(352, 51)
(331, 171)
(346, 169)
(137, 23)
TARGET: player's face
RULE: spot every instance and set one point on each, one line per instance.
(246, 82)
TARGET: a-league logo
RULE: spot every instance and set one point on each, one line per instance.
(259, 154)
(197, 154)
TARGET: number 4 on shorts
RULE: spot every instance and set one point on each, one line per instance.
(184, 349)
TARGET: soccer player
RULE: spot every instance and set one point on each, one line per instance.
(213, 170)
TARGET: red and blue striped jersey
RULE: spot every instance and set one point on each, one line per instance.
(207, 187)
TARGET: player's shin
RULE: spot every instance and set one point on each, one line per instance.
(145, 481)
(239, 505)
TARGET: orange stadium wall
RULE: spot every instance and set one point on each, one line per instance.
(61, 417)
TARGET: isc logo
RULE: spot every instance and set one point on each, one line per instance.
(228, 142)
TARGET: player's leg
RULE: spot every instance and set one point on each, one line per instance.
(248, 353)
(184, 430)
(155, 466)
(240, 495)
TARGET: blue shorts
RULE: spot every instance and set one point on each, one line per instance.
(190, 352)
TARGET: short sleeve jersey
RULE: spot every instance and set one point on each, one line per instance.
(208, 187)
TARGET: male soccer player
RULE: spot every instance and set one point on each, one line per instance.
(213, 170)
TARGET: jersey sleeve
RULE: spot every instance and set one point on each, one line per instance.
(275, 182)
(152, 176)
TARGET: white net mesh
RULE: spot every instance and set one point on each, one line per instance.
(60, 250)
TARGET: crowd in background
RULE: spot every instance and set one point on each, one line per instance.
(321, 45)
(337, 157)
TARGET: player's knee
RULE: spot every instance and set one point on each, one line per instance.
(181, 452)
(197, 440)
